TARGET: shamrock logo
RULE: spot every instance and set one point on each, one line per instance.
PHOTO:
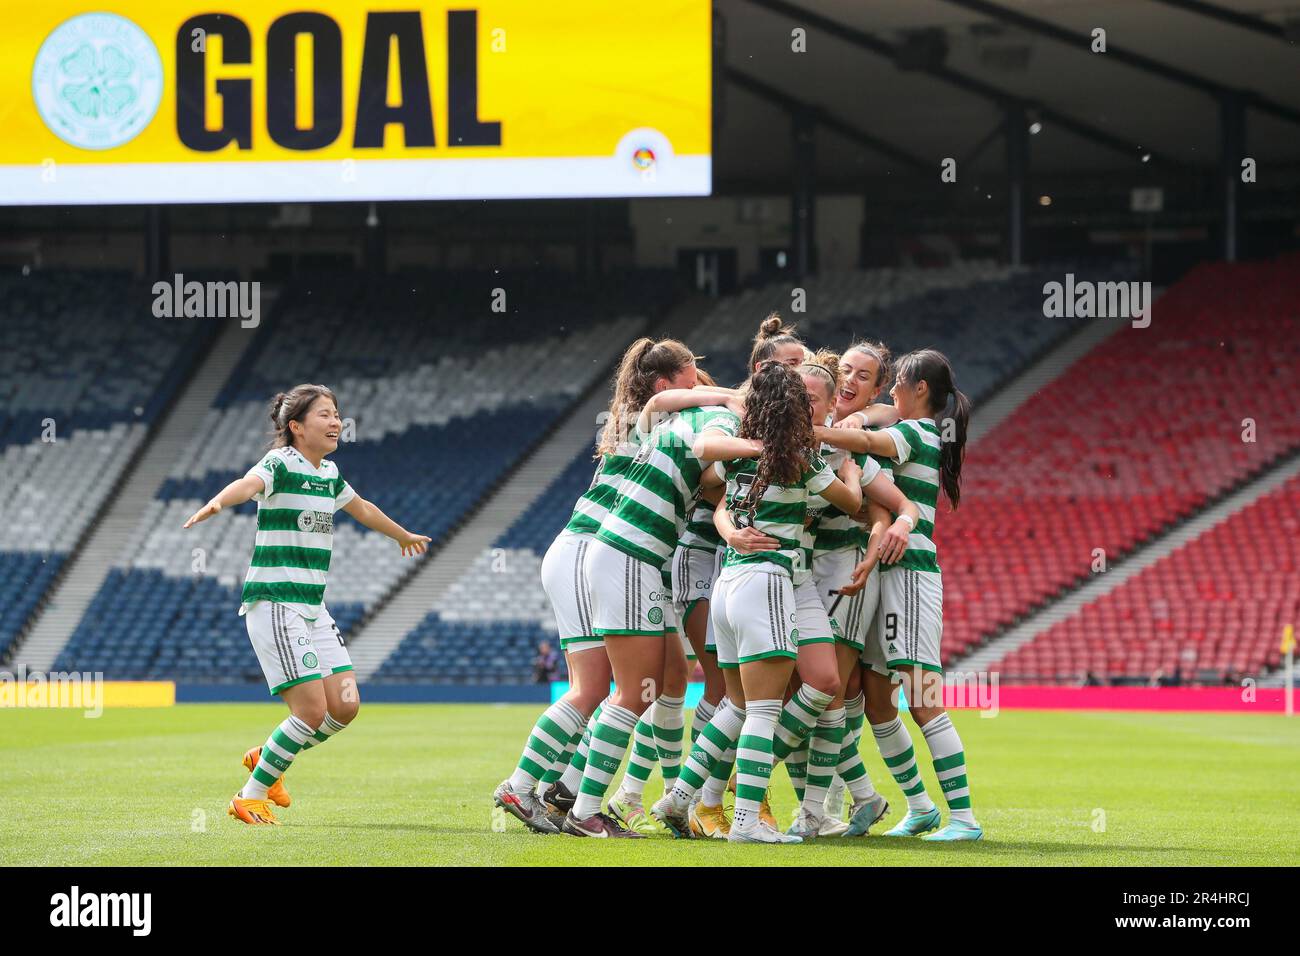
(98, 86)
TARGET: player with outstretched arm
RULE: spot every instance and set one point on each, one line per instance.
(297, 642)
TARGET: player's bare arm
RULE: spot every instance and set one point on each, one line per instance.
(235, 493)
(369, 514)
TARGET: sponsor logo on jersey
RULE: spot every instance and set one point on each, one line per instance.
(320, 522)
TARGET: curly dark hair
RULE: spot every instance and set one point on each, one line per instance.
(778, 415)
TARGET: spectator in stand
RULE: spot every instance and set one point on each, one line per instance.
(546, 665)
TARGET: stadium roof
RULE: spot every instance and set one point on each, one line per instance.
(1157, 89)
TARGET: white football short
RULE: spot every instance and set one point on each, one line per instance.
(754, 616)
(565, 585)
(628, 597)
(693, 573)
(910, 619)
(293, 650)
(852, 615)
(812, 623)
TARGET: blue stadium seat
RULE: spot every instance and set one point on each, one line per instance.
(987, 318)
(446, 395)
(85, 369)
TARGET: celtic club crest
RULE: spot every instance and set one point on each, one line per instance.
(97, 81)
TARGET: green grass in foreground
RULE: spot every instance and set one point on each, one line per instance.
(412, 785)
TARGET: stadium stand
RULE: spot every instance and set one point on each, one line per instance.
(85, 372)
(440, 415)
(1065, 479)
(887, 303)
(987, 316)
(1210, 612)
(472, 636)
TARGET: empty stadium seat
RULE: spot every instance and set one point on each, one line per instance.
(86, 368)
(1132, 438)
(988, 317)
(1212, 610)
(445, 396)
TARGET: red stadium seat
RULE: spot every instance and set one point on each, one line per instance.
(1173, 617)
(1069, 473)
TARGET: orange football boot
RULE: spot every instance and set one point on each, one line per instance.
(276, 792)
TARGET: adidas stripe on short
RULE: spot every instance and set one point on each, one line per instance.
(628, 596)
(910, 621)
(293, 650)
(565, 584)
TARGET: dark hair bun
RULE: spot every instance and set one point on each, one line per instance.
(770, 326)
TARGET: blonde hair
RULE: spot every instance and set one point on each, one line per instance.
(824, 364)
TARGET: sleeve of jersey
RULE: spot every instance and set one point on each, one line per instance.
(724, 421)
(345, 495)
(870, 468)
(821, 478)
(264, 471)
(905, 439)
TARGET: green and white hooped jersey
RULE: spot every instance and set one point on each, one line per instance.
(700, 531)
(887, 469)
(916, 473)
(780, 514)
(295, 531)
(831, 529)
(660, 485)
(591, 508)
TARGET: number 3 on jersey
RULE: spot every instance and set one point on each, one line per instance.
(744, 516)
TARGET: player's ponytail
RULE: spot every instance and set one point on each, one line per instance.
(643, 364)
(953, 453)
(933, 368)
(292, 406)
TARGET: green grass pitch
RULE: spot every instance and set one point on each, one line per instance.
(412, 784)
